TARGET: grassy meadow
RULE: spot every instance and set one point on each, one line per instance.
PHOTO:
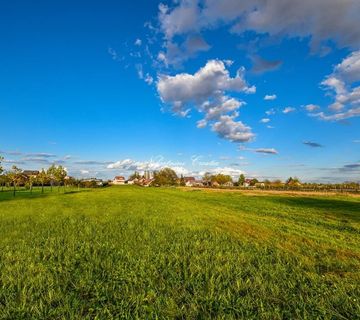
(165, 253)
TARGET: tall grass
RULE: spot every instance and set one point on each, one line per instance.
(128, 252)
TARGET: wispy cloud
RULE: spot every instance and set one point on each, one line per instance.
(288, 110)
(312, 144)
(270, 97)
(266, 150)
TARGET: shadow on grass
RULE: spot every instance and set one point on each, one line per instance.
(7, 195)
(347, 209)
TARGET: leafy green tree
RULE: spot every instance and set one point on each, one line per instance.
(293, 181)
(2, 177)
(207, 178)
(31, 181)
(1, 168)
(166, 177)
(15, 177)
(241, 180)
(221, 178)
(135, 175)
(42, 178)
(60, 174)
(51, 173)
(253, 182)
(182, 181)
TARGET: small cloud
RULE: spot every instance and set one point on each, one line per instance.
(91, 162)
(41, 155)
(265, 120)
(138, 42)
(12, 161)
(114, 55)
(356, 141)
(288, 110)
(312, 144)
(201, 124)
(312, 107)
(266, 150)
(270, 97)
(149, 79)
(11, 153)
(84, 171)
(270, 127)
(270, 112)
(350, 167)
(36, 160)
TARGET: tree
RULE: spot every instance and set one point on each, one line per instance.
(293, 181)
(2, 178)
(42, 179)
(207, 178)
(241, 180)
(51, 173)
(166, 177)
(15, 177)
(182, 181)
(135, 175)
(3, 181)
(253, 182)
(1, 168)
(60, 174)
(221, 178)
(31, 180)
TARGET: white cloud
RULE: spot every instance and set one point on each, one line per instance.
(312, 107)
(149, 79)
(206, 91)
(179, 20)
(350, 113)
(270, 97)
(201, 124)
(138, 42)
(233, 172)
(270, 112)
(288, 110)
(234, 131)
(84, 172)
(153, 164)
(206, 83)
(342, 82)
(265, 120)
(321, 20)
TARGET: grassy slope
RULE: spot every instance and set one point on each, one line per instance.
(126, 252)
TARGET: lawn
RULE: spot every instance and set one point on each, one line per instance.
(131, 252)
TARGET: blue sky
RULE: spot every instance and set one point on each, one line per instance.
(108, 87)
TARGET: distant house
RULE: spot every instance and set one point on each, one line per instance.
(247, 183)
(95, 181)
(119, 180)
(198, 183)
(228, 184)
(260, 185)
(133, 181)
(215, 184)
(148, 182)
(145, 182)
(30, 173)
(189, 181)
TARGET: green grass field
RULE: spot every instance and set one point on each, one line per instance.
(158, 253)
